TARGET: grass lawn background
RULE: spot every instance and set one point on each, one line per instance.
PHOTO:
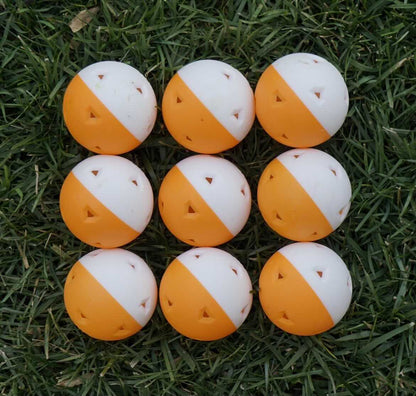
(372, 351)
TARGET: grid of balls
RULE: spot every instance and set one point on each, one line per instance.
(304, 194)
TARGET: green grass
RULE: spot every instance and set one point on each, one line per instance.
(372, 351)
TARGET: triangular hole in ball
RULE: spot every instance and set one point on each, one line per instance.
(209, 179)
(144, 303)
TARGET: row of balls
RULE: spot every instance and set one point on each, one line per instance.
(206, 293)
(107, 201)
(301, 100)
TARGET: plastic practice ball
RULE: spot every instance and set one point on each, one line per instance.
(110, 294)
(204, 200)
(304, 194)
(301, 100)
(208, 106)
(205, 294)
(106, 201)
(109, 107)
(305, 288)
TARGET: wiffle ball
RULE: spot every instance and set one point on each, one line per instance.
(204, 200)
(205, 294)
(109, 107)
(208, 106)
(305, 288)
(106, 201)
(304, 194)
(110, 294)
(301, 100)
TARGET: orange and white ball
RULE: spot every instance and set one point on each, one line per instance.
(305, 288)
(304, 194)
(205, 294)
(204, 200)
(208, 106)
(301, 100)
(110, 294)
(109, 107)
(106, 201)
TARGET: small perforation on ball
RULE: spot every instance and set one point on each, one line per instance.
(143, 304)
(243, 311)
